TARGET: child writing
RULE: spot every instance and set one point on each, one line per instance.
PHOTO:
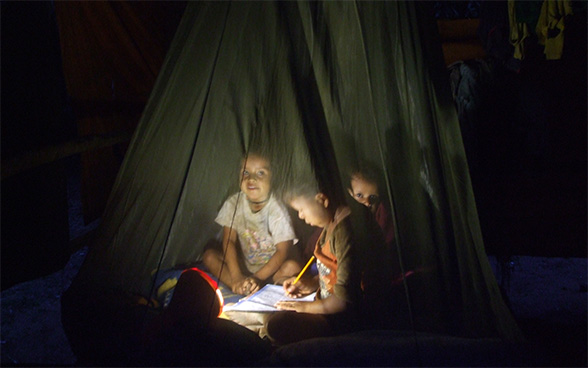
(258, 236)
(340, 299)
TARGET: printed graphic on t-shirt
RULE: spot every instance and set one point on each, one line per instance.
(324, 282)
(259, 248)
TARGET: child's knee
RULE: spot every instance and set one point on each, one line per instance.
(209, 257)
(290, 268)
(274, 326)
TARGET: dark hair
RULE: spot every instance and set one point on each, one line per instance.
(365, 170)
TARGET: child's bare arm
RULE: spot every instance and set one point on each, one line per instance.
(304, 286)
(330, 305)
(275, 262)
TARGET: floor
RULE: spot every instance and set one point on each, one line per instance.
(547, 296)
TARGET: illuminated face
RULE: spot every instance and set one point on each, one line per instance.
(255, 179)
(364, 191)
(312, 210)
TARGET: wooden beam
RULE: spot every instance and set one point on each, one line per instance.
(32, 159)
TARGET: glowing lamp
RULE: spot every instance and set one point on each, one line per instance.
(196, 298)
(214, 285)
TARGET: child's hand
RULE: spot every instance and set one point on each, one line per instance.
(246, 286)
(237, 287)
(302, 287)
(251, 285)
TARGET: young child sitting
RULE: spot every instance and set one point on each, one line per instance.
(364, 188)
(340, 299)
(258, 236)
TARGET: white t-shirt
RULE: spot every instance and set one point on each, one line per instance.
(258, 232)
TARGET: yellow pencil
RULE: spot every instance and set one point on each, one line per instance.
(304, 269)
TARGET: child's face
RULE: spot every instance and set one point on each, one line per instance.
(312, 210)
(363, 191)
(256, 177)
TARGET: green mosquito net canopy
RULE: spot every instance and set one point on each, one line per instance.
(320, 88)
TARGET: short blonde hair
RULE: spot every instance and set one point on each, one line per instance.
(306, 189)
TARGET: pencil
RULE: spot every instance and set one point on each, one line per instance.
(304, 269)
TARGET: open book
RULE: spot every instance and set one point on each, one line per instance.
(264, 300)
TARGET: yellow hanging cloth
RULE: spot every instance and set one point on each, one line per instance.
(518, 32)
(550, 26)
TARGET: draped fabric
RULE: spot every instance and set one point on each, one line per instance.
(319, 87)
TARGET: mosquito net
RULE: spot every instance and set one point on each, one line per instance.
(320, 88)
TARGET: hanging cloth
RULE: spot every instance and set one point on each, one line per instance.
(519, 31)
(550, 27)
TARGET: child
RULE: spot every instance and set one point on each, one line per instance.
(339, 300)
(364, 188)
(259, 224)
